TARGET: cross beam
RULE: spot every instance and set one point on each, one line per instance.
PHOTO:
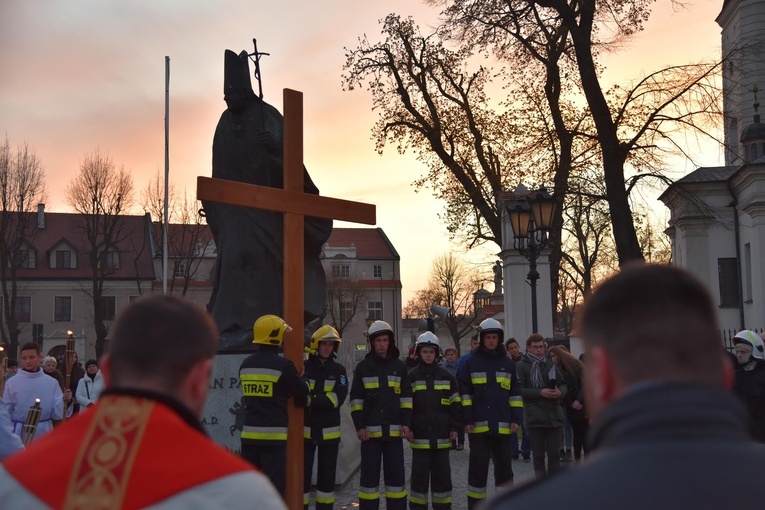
(295, 204)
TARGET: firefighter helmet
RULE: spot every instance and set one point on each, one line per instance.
(269, 330)
(491, 326)
(427, 339)
(325, 333)
(750, 337)
(378, 328)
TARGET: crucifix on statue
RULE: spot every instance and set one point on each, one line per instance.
(295, 205)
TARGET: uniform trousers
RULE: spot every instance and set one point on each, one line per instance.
(430, 467)
(271, 459)
(482, 448)
(326, 469)
(391, 453)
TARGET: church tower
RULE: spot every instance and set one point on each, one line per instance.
(743, 40)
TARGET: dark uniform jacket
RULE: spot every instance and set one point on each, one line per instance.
(381, 396)
(328, 386)
(267, 380)
(749, 385)
(491, 396)
(540, 411)
(663, 447)
(436, 406)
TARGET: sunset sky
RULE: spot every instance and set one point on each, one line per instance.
(76, 76)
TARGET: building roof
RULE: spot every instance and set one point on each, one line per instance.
(370, 243)
(708, 174)
(135, 254)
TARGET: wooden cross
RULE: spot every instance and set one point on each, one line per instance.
(295, 204)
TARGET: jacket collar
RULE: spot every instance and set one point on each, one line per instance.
(671, 411)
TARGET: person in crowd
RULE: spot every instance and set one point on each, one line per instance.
(491, 403)
(542, 389)
(411, 358)
(142, 444)
(381, 407)
(463, 359)
(49, 367)
(572, 371)
(90, 387)
(657, 386)
(514, 352)
(451, 362)
(9, 442)
(328, 387)
(13, 368)
(268, 381)
(436, 418)
(749, 382)
(31, 384)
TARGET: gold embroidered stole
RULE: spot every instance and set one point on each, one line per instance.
(103, 465)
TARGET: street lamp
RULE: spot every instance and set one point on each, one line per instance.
(531, 219)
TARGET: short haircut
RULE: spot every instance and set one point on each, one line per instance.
(162, 338)
(49, 358)
(30, 346)
(656, 323)
(450, 349)
(511, 340)
(474, 337)
(533, 338)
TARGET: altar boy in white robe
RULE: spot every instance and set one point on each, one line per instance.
(31, 383)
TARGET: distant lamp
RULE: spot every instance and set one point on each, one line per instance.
(531, 218)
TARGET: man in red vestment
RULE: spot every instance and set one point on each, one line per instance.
(142, 444)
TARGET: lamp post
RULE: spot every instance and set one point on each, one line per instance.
(531, 219)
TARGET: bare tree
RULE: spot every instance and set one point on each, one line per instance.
(22, 188)
(345, 298)
(188, 238)
(101, 193)
(451, 284)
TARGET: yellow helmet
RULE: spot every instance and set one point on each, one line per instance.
(269, 330)
(325, 333)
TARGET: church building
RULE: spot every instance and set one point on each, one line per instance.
(717, 214)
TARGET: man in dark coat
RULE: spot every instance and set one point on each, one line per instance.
(667, 432)
(542, 390)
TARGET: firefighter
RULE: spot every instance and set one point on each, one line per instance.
(492, 406)
(267, 381)
(381, 407)
(436, 419)
(328, 386)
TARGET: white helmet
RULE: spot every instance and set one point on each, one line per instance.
(491, 326)
(750, 337)
(378, 328)
(427, 339)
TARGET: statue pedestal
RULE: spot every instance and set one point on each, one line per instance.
(223, 419)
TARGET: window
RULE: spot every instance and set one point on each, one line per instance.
(341, 271)
(727, 273)
(109, 259)
(378, 271)
(63, 259)
(180, 270)
(109, 307)
(24, 258)
(62, 309)
(375, 310)
(23, 309)
(346, 311)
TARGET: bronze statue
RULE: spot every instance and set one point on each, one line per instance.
(248, 274)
